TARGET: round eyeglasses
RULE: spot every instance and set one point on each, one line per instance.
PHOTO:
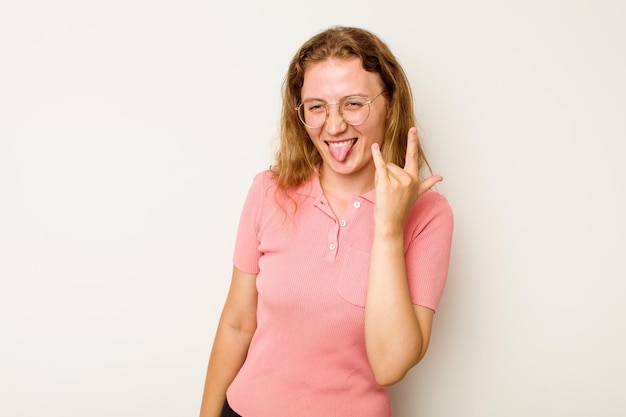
(353, 109)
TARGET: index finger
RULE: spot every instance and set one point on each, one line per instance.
(411, 162)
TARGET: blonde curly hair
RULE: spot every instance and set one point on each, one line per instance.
(297, 157)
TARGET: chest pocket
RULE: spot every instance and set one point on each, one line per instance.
(353, 278)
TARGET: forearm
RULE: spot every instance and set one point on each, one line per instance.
(392, 333)
(229, 352)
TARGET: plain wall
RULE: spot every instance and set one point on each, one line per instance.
(131, 130)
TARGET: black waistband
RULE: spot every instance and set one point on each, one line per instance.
(227, 411)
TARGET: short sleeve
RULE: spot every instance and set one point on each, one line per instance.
(427, 256)
(246, 254)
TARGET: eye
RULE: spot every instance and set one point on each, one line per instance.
(314, 106)
(353, 104)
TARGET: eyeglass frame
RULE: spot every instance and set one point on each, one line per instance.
(327, 107)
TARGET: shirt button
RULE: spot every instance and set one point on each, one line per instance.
(332, 246)
(357, 204)
(344, 223)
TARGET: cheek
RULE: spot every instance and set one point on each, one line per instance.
(314, 135)
(314, 139)
(378, 126)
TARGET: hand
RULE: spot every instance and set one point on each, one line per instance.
(398, 188)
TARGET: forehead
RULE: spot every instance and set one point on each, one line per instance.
(333, 79)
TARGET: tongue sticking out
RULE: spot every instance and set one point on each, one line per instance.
(340, 150)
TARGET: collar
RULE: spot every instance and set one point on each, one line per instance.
(313, 188)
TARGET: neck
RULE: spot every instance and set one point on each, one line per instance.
(345, 186)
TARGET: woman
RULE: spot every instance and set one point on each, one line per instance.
(342, 250)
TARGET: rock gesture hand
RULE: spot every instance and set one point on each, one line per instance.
(398, 188)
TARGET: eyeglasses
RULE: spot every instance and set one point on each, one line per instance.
(353, 110)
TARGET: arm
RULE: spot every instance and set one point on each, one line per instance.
(397, 332)
(234, 333)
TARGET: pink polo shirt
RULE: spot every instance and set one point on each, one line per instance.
(307, 357)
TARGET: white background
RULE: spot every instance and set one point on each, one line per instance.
(131, 130)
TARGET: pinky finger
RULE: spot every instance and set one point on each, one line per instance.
(379, 162)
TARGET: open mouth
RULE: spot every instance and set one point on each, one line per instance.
(340, 150)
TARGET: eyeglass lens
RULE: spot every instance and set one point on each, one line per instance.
(354, 111)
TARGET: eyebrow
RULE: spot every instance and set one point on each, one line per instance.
(342, 98)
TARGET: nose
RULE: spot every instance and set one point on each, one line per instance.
(335, 123)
